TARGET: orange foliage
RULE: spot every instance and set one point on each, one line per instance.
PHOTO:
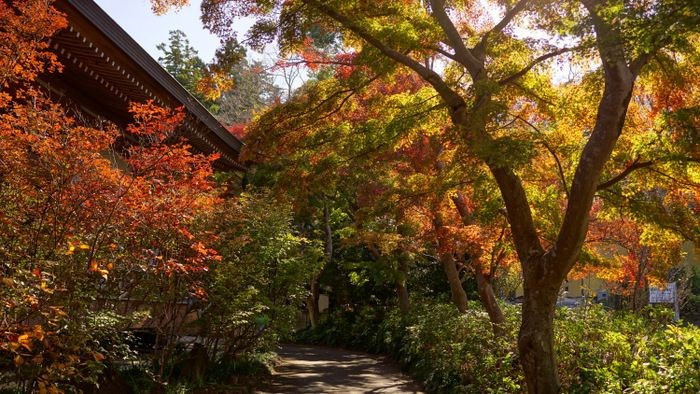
(75, 228)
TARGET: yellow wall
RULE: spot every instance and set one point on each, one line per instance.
(591, 285)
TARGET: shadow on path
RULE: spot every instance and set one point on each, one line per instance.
(317, 369)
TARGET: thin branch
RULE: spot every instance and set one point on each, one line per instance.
(560, 168)
(628, 170)
(452, 99)
(674, 179)
(443, 52)
(533, 63)
(480, 48)
(533, 94)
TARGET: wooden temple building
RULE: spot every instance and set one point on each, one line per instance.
(104, 70)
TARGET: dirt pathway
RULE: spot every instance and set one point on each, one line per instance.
(316, 369)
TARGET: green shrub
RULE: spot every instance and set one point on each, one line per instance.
(598, 351)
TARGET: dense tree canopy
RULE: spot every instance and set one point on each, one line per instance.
(549, 149)
(106, 229)
(438, 152)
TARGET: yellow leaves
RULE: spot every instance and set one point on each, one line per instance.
(58, 311)
(8, 282)
(95, 267)
(25, 341)
(18, 360)
(45, 288)
(38, 332)
(72, 246)
(45, 388)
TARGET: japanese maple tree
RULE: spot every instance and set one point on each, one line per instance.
(485, 64)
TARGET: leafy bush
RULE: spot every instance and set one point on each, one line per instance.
(598, 350)
(254, 293)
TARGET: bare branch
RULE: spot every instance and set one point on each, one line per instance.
(444, 53)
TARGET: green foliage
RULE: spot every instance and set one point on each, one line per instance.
(244, 371)
(253, 87)
(255, 291)
(181, 60)
(598, 351)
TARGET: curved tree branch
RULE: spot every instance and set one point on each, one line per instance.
(533, 63)
(480, 48)
(629, 169)
(462, 54)
(452, 99)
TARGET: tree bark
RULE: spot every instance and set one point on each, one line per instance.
(536, 337)
(401, 289)
(639, 294)
(449, 266)
(484, 282)
(459, 296)
(312, 300)
(484, 286)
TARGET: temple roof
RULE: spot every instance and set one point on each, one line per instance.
(105, 70)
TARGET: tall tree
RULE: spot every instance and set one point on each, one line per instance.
(486, 68)
(247, 88)
(254, 90)
(182, 61)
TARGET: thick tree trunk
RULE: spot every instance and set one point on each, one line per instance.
(459, 296)
(401, 289)
(488, 299)
(312, 300)
(449, 266)
(484, 282)
(536, 339)
(639, 294)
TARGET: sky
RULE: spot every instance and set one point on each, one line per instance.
(149, 30)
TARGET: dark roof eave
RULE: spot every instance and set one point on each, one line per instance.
(93, 13)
